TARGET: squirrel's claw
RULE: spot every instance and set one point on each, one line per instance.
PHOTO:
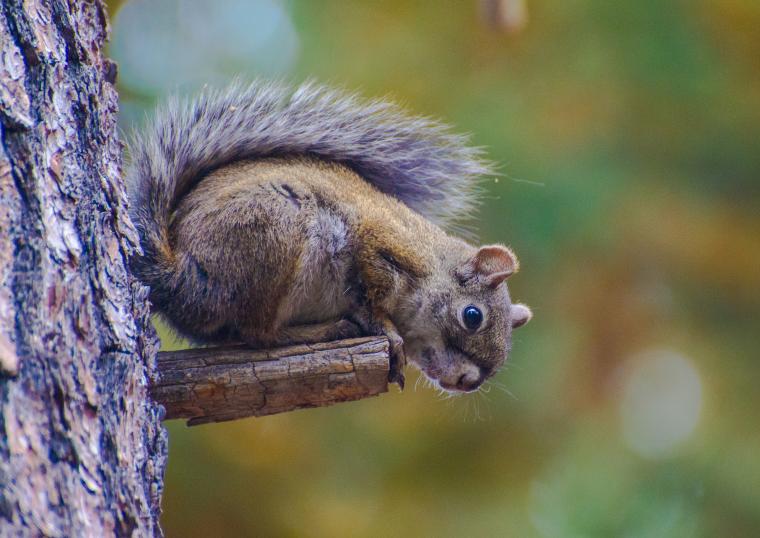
(396, 351)
(398, 361)
(395, 375)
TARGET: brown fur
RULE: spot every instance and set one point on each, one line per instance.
(280, 250)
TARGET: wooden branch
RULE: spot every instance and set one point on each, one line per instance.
(226, 383)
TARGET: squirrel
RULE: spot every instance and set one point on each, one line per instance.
(272, 215)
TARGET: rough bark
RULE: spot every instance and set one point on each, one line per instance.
(217, 384)
(82, 451)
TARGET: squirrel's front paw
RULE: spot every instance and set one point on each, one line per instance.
(380, 323)
(398, 360)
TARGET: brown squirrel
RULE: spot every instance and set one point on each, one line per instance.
(277, 216)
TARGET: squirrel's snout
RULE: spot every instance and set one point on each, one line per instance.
(467, 378)
(467, 382)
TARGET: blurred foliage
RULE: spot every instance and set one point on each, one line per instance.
(628, 135)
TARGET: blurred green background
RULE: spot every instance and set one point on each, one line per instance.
(628, 135)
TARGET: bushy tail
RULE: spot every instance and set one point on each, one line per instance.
(415, 159)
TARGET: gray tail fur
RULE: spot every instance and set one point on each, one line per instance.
(417, 160)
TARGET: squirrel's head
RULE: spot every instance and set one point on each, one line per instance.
(458, 328)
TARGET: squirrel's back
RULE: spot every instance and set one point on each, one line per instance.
(414, 159)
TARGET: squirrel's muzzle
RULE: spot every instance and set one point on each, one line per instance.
(466, 377)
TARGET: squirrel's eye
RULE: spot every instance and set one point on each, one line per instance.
(472, 317)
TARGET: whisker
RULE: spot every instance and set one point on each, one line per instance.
(504, 389)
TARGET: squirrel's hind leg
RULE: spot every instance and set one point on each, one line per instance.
(318, 332)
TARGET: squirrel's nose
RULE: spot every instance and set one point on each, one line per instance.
(468, 382)
(465, 382)
(466, 378)
(470, 379)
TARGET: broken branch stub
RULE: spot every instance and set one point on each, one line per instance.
(216, 384)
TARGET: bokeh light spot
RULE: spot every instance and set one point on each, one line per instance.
(661, 402)
(163, 46)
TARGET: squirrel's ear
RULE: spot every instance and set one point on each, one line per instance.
(493, 264)
(520, 314)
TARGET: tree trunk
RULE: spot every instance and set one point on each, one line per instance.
(82, 450)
